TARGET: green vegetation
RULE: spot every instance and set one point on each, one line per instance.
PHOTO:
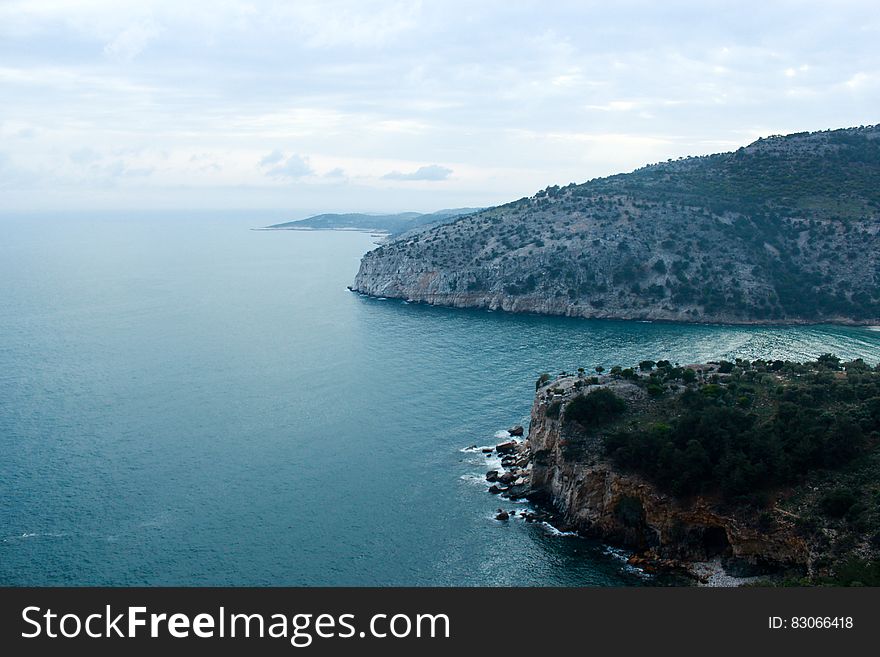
(746, 428)
(781, 230)
(595, 408)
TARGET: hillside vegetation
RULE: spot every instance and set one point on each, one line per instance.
(770, 444)
(783, 230)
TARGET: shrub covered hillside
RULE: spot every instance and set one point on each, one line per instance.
(783, 230)
(743, 428)
(797, 438)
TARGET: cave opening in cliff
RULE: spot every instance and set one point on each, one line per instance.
(715, 542)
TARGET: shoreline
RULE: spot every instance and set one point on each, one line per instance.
(872, 324)
(309, 229)
(505, 479)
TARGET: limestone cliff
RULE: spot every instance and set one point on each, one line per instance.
(592, 497)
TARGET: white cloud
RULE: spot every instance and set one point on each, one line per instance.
(84, 155)
(131, 41)
(858, 80)
(167, 99)
(293, 167)
(272, 158)
(431, 172)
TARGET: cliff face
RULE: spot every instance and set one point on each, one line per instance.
(785, 230)
(591, 497)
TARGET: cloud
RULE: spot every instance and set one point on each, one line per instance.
(430, 172)
(272, 158)
(858, 80)
(386, 86)
(294, 167)
(121, 169)
(615, 106)
(84, 156)
(131, 41)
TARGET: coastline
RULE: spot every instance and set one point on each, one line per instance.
(504, 460)
(870, 324)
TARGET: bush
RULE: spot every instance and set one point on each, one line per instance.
(836, 503)
(542, 379)
(595, 408)
(857, 572)
(744, 438)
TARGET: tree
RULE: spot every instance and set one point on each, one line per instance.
(830, 361)
(595, 408)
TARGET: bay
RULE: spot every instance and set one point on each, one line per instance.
(186, 401)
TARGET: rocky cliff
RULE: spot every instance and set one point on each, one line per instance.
(784, 230)
(753, 467)
(593, 497)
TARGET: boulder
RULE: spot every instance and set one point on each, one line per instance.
(506, 448)
(494, 489)
(517, 430)
(492, 475)
(506, 478)
(502, 515)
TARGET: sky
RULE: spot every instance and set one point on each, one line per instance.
(307, 107)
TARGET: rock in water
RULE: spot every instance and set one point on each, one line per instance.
(502, 515)
(517, 430)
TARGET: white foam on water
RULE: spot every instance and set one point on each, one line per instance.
(474, 478)
(476, 449)
(550, 529)
(617, 553)
(623, 556)
(493, 463)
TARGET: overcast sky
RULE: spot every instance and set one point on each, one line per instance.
(374, 106)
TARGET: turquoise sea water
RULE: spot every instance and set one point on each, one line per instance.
(187, 401)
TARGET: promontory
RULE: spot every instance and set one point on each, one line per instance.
(785, 230)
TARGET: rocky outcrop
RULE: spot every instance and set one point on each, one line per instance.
(783, 231)
(588, 495)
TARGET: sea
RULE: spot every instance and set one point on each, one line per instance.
(187, 401)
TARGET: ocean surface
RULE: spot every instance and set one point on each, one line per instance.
(186, 401)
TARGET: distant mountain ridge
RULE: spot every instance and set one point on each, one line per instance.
(393, 224)
(784, 230)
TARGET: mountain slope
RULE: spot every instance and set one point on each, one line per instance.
(394, 224)
(783, 230)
